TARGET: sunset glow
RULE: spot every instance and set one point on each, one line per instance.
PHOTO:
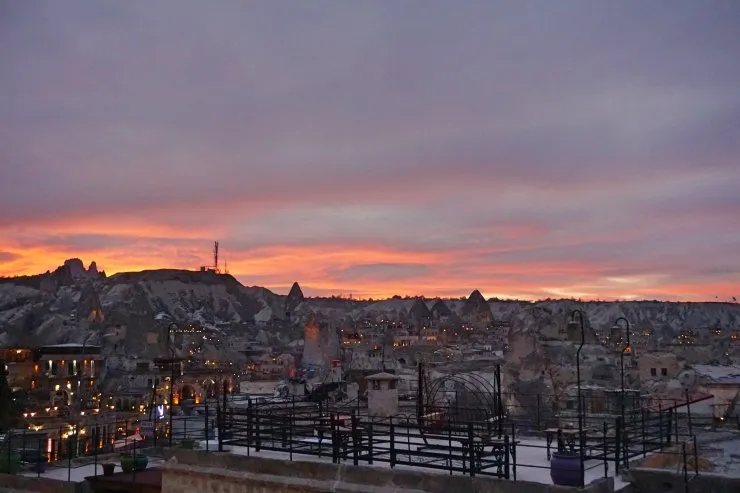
(364, 149)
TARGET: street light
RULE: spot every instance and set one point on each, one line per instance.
(80, 371)
(171, 326)
(573, 324)
(625, 350)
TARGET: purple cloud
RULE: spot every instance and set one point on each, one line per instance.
(512, 133)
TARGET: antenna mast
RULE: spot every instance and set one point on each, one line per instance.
(215, 257)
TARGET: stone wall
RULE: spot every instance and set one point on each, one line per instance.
(200, 472)
(646, 480)
(11, 483)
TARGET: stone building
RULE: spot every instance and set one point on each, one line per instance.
(658, 366)
(382, 395)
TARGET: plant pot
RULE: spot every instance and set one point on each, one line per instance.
(108, 469)
(140, 462)
(127, 462)
(565, 469)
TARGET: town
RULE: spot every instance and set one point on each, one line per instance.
(533, 369)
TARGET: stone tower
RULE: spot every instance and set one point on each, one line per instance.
(321, 343)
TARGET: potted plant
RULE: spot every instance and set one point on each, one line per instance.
(187, 443)
(565, 468)
(140, 462)
(127, 462)
(108, 469)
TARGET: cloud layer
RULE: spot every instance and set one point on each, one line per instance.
(526, 149)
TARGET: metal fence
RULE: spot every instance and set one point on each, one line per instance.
(496, 447)
(24, 452)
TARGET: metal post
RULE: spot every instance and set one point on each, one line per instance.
(10, 441)
(69, 460)
(392, 432)
(618, 444)
(96, 436)
(249, 425)
(685, 467)
(642, 425)
(225, 394)
(171, 326)
(660, 425)
(291, 422)
(512, 444)
(471, 450)
(579, 314)
(688, 413)
(625, 349)
(606, 451)
(499, 403)
(207, 426)
(419, 393)
(355, 444)
(219, 419)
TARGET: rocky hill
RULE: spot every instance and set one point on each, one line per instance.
(63, 305)
(58, 307)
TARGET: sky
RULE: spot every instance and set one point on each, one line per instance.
(525, 148)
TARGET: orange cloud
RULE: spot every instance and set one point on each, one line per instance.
(364, 270)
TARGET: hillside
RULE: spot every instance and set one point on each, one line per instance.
(64, 305)
(58, 308)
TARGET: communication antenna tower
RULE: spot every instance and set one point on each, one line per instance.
(215, 257)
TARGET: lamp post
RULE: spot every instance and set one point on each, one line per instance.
(171, 326)
(77, 409)
(80, 372)
(627, 348)
(578, 315)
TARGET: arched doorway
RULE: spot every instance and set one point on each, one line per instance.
(61, 398)
(209, 385)
(187, 393)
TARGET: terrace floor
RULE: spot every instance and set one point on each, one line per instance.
(532, 464)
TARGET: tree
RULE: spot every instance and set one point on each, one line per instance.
(8, 412)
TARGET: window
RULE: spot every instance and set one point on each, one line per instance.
(664, 372)
(653, 372)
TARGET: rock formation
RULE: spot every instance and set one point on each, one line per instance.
(541, 360)
(295, 297)
(419, 313)
(477, 309)
(440, 310)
